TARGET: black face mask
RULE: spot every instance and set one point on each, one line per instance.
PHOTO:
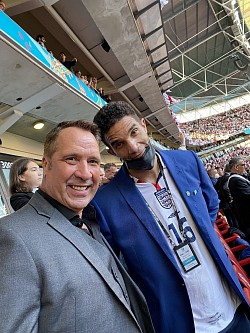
(145, 162)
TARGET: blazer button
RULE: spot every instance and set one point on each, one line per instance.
(188, 193)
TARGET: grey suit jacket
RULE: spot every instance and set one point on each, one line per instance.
(53, 281)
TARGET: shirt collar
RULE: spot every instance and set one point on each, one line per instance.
(88, 212)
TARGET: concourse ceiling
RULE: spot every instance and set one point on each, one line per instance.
(188, 47)
(202, 39)
(125, 69)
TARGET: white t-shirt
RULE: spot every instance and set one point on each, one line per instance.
(213, 302)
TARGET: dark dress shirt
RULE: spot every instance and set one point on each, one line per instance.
(88, 216)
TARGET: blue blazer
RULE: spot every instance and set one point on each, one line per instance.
(130, 228)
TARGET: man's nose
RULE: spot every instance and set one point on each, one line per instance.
(83, 170)
(132, 146)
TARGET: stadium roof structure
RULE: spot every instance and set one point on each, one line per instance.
(138, 49)
(208, 49)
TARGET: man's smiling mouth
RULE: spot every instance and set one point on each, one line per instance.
(80, 188)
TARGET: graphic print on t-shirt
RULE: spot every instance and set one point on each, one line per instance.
(163, 196)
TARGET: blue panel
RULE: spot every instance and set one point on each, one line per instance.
(19, 36)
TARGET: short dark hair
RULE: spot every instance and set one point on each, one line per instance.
(38, 37)
(18, 168)
(110, 114)
(234, 161)
(50, 141)
(107, 166)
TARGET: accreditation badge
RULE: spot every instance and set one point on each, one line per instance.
(186, 256)
(164, 198)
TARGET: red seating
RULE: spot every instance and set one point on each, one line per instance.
(222, 230)
(243, 281)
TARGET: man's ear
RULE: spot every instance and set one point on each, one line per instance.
(45, 164)
(144, 125)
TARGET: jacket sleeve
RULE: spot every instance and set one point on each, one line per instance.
(19, 285)
(105, 228)
(239, 187)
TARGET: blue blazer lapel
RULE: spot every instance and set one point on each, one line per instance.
(176, 173)
(187, 190)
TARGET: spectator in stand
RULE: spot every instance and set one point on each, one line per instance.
(240, 190)
(84, 78)
(101, 92)
(213, 175)
(2, 6)
(226, 199)
(78, 74)
(41, 40)
(107, 98)
(110, 170)
(25, 178)
(93, 83)
(220, 171)
(67, 63)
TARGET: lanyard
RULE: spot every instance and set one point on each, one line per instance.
(165, 231)
(180, 225)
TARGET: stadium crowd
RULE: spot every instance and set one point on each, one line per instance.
(221, 158)
(216, 128)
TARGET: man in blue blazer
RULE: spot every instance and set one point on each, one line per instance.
(158, 212)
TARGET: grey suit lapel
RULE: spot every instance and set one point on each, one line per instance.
(81, 241)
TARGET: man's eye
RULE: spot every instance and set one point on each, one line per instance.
(134, 132)
(118, 145)
(71, 158)
(94, 162)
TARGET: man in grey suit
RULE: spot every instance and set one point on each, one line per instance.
(57, 273)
